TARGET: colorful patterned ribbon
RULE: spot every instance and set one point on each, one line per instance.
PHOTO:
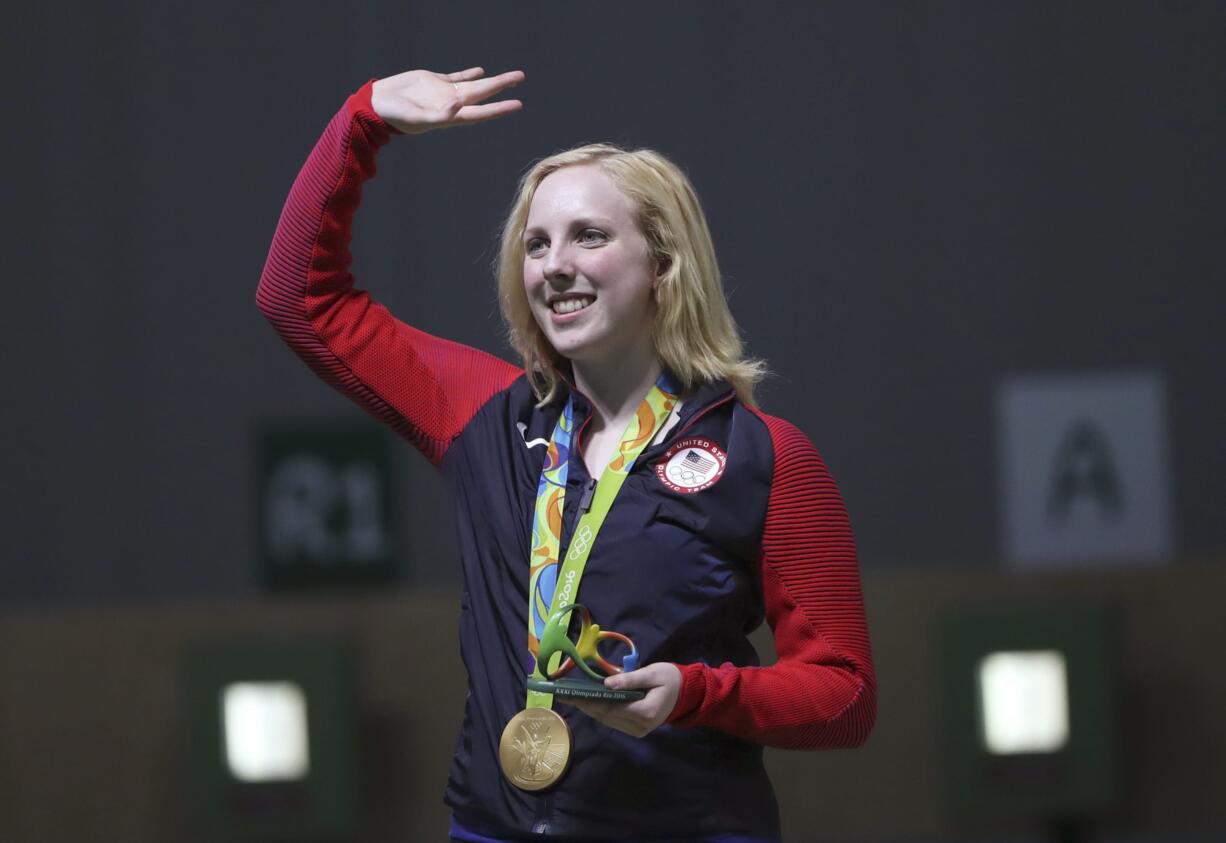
(544, 571)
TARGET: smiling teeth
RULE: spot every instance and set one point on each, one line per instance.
(571, 305)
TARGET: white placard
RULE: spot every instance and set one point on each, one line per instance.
(265, 731)
(1023, 701)
(1083, 469)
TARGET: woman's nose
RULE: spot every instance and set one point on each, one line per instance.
(558, 264)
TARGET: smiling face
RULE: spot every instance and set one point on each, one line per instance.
(588, 270)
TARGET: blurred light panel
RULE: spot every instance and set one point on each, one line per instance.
(1024, 698)
(264, 727)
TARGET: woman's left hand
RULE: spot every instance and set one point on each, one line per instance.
(661, 681)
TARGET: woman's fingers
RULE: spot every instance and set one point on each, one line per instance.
(465, 75)
(475, 90)
(636, 719)
(662, 681)
(488, 111)
(608, 713)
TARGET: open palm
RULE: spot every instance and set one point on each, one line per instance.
(418, 101)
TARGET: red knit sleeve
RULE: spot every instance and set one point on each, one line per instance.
(821, 693)
(425, 388)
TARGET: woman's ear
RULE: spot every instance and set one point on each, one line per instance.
(663, 264)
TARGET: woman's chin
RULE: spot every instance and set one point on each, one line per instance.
(571, 344)
(575, 354)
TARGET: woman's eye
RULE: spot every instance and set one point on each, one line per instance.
(591, 235)
(535, 245)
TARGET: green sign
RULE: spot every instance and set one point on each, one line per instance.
(325, 500)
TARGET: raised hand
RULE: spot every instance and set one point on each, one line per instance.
(420, 100)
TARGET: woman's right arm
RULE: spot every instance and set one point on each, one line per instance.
(424, 387)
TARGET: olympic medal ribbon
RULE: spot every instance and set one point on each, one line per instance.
(546, 570)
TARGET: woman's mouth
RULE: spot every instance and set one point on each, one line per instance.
(571, 305)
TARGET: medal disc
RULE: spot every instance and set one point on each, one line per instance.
(535, 748)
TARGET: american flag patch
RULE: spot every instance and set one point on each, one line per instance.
(691, 465)
(699, 463)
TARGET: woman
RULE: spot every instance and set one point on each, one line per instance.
(695, 515)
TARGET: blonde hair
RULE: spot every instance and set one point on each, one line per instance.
(694, 334)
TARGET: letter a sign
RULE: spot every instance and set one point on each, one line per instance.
(1083, 469)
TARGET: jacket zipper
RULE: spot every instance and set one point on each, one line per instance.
(585, 502)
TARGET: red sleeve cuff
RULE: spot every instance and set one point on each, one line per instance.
(359, 106)
(693, 690)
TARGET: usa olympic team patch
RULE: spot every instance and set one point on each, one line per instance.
(691, 465)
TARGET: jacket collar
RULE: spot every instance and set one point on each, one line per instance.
(698, 399)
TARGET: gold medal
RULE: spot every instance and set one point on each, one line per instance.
(535, 748)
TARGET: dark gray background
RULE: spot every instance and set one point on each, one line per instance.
(909, 200)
